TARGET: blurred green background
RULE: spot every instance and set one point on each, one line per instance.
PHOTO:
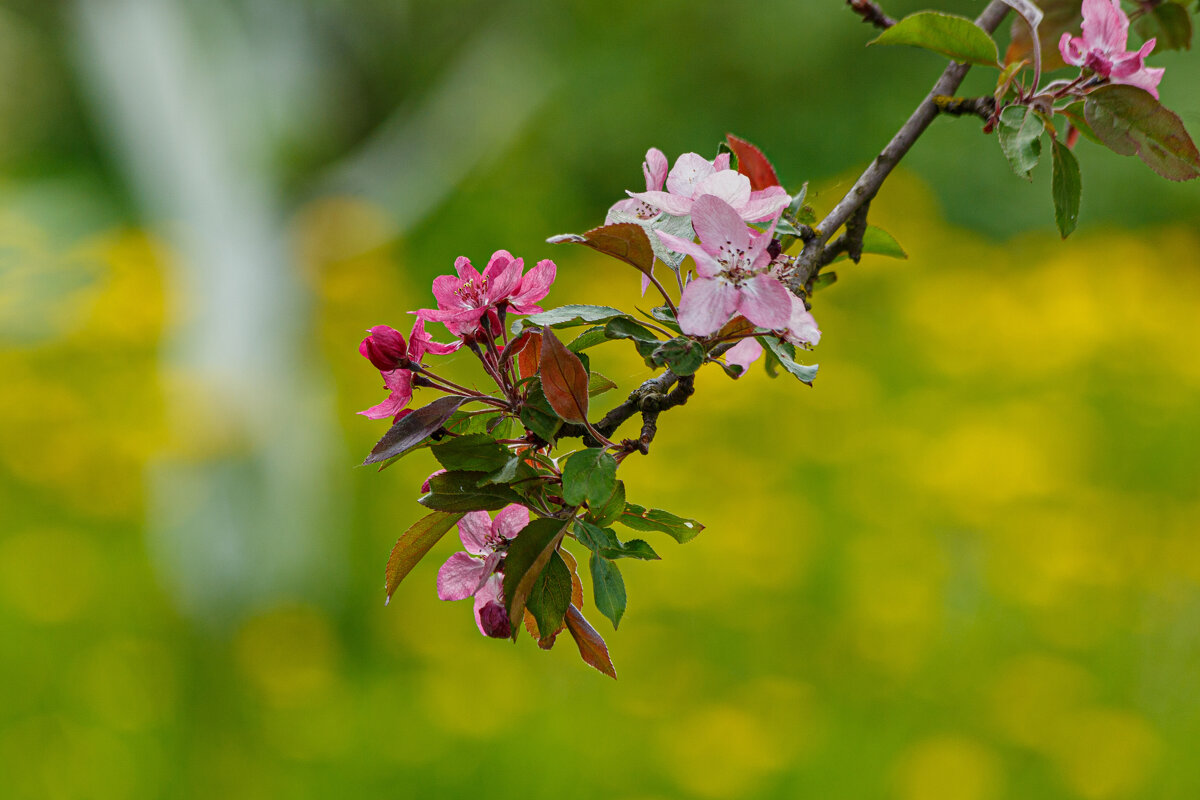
(964, 565)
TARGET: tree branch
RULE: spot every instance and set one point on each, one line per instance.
(982, 107)
(871, 13)
(867, 186)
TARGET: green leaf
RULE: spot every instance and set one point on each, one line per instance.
(1074, 115)
(564, 379)
(876, 242)
(824, 280)
(568, 316)
(460, 490)
(608, 588)
(957, 38)
(595, 537)
(514, 469)
(629, 328)
(683, 355)
(1169, 23)
(1066, 188)
(634, 548)
(1020, 133)
(607, 513)
(785, 354)
(527, 555)
(591, 646)
(655, 519)
(1131, 122)
(476, 451)
(550, 595)
(589, 475)
(589, 338)
(413, 544)
(414, 428)
(599, 384)
(537, 415)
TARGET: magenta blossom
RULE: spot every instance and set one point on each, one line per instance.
(694, 176)
(465, 300)
(733, 277)
(655, 170)
(387, 351)
(475, 573)
(1102, 47)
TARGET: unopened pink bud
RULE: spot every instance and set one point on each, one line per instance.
(385, 348)
(495, 621)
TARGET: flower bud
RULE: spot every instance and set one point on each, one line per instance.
(495, 621)
(385, 348)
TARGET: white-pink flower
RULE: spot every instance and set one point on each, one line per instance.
(801, 330)
(655, 170)
(694, 176)
(1101, 49)
(475, 573)
(732, 272)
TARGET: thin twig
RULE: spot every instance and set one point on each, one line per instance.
(982, 107)
(871, 13)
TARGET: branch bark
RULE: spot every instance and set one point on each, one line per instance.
(871, 13)
(811, 258)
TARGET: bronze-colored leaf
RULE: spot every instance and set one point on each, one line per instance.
(564, 379)
(626, 241)
(576, 584)
(591, 645)
(753, 164)
(414, 428)
(413, 544)
(1059, 17)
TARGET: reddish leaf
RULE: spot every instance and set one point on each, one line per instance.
(591, 646)
(1059, 17)
(1131, 122)
(530, 355)
(576, 584)
(753, 164)
(564, 380)
(413, 544)
(626, 241)
(414, 428)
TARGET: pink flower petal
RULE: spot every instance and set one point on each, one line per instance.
(706, 305)
(504, 275)
(720, 227)
(388, 408)
(459, 577)
(674, 204)
(802, 328)
(706, 265)
(721, 162)
(655, 169)
(764, 301)
(1105, 26)
(474, 529)
(765, 204)
(491, 594)
(732, 187)
(1147, 79)
(510, 520)
(689, 170)
(628, 206)
(744, 353)
(1073, 49)
(444, 291)
(466, 272)
(536, 283)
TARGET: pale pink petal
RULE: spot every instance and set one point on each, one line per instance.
(744, 353)
(510, 520)
(765, 204)
(1125, 65)
(459, 577)
(629, 207)
(802, 328)
(655, 169)
(706, 265)
(1105, 26)
(466, 272)
(732, 187)
(721, 162)
(674, 204)
(757, 256)
(689, 169)
(706, 305)
(720, 228)
(646, 280)
(764, 301)
(1147, 79)
(473, 531)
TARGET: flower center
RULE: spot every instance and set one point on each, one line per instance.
(472, 292)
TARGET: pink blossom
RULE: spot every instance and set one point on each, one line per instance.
(801, 330)
(475, 573)
(463, 301)
(732, 266)
(655, 170)
(388, 352)
(694, 176)
(1101, 49)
